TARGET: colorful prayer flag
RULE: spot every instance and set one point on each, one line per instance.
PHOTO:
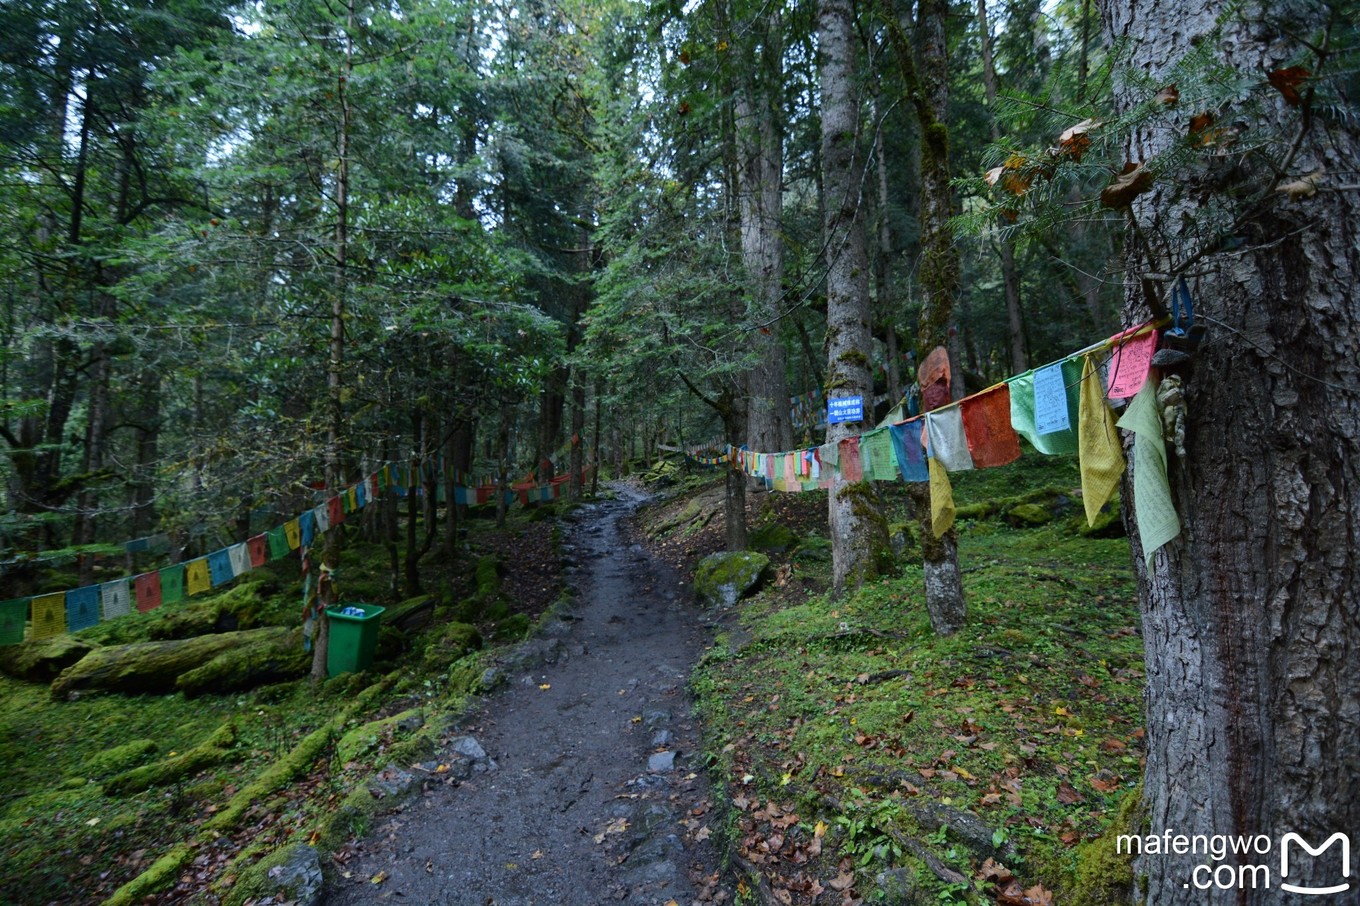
(259, 550)
(278, 543)
(1129, 363)
(941, 498)
(307, 528)
(292, 531)
(946, 440)
(335, 510)
(321, 515)
(360, 495)
(116, 598)
(82, 608)
(850, 467)
(197, 576)
(219, 568)
(239, 555)
(1153, 510)
(911, 456)
(987, 425)
(49, 616)
(173, 582)
(13, 614)
(1102, 456)
(1051, 408)
(1022, 410)
(877, 456)
(147, 588)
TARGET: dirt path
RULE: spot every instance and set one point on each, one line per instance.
(578, 800)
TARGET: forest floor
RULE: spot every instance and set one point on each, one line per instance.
(793, 749)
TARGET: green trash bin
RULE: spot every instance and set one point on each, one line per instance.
(352, 639)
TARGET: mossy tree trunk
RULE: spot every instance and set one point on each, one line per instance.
(851, 507)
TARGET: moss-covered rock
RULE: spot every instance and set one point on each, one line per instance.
(513, 628)
(1108, 523)
(723, 579)
(812, 549)
(1029, 514)
(774, 537)
(377, 735)
(119, 758)
(43, 660)
(243, 606)
(293, 871)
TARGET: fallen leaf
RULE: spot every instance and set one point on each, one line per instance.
(1068, 795)
(703, 834)
(1038, 895)
(544, 686)
(842, 881)
(1170, 96)
(92, 822)
(819, 830)
(378, 878)
(1303, 187)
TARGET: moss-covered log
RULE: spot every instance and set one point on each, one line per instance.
(155, 666)
(274, 659)
(43, 660)
(213, 750)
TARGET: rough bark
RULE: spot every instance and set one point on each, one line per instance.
(857, 528)
(760, 171)
(928, 90)
(1251, 618)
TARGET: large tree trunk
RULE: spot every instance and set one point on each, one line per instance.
(760, 172)
(856, 525)
(1251, 617)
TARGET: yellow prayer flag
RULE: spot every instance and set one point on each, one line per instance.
(1102, 457)
(197, 576)
(941, 499)
(49, 616)
(293, 532)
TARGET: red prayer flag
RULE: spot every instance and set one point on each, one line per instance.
(335, 508)
(850, 466)
(987, 425)
(259, 550)
(147, 588)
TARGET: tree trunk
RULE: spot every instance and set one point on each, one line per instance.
(760, 173)
(856, 525)
(1251, 618)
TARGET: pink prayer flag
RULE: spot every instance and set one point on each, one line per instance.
(1129, 365)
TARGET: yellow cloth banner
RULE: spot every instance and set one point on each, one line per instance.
(941, 499)
(49, 616)
(197, 576)
(1102, 457)
(293, 532)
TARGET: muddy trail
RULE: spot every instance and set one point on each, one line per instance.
(581, 782)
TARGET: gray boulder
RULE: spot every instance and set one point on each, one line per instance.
(723, 579)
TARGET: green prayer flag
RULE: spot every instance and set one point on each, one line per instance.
(1022, 410)
(278, 542)
(13, 615)
(172, 584)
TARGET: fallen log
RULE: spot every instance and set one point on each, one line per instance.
(156, 666)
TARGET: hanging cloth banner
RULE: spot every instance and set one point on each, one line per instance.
(851, 468)
(49, 616)
(1022, 410)
(1152, 507)
(292, 533)
(335, 511)
(219, 568)
(1129, 363)
(941, 499)
(240, 559)
(1102, 455)
(307, 529)
(147, 588)
(911, 456)
(12, 617)
(116, 598)
(877, 457)
(321, 515)
(82, 608)
(933, 378)
(946, 440)
(987, 424)
(259, 551)
(197, 576)
(1052, 412)
(174, 583)
(278, 543)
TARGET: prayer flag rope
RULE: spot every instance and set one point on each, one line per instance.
(1062, 407)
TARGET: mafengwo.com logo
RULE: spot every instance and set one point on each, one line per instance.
(1227, 866)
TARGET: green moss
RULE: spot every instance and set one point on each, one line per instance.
(363, 740)
(772, 536)
(1104, 876)
(854, 357)
(246, 605)
(214, 750)
(248, 667)
(42, 661)
(160, 875)
(865, 504)
(119, 758)
(513, 627)
(1029, 514)
(488, 576)
(449, 643)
